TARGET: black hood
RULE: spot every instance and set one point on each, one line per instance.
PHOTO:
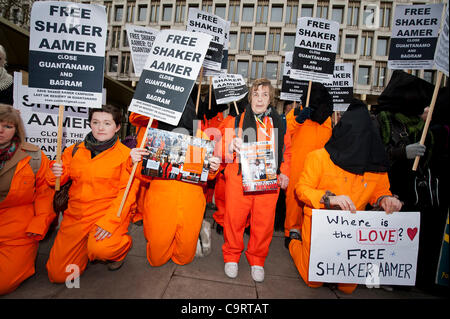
(320, 102)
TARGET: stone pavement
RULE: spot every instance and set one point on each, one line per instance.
(204, 278)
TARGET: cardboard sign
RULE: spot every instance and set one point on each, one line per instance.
(140, 40)
(414, 36)
(201, 21)
(41, 121)
(177, 156)
(443, 271)
(367, 247)
(291, 90)
(341, 87)
(229, 88)
(67, 53)
(315, 49)
(169, 75)
(442, 50)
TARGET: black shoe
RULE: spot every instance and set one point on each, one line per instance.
(287, 240)
(247, 230)
(115, 265)
(219, 229)
(140, 222)
(295, 235)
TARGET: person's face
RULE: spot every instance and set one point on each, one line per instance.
(260, 99)
(7, 131)
(103, 126)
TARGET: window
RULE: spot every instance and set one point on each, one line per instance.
(142, 12)
(322, 10)
(385, 14)
(207, 6)
(259, 42)
(353, 13)
(277, 13)
(366, 44)
(291, 13)
(288, 42)
(125, 65)
(350, 44)
(380, 74)
(180, 8)
(247, 13)
(337, 14)
(167, 13)
(233, 41)
(108, 6)
(130, 11)
(262, 12)
(242, 68)
(369, 15)
(115, 41)
(113, 62)
(271, 70)
(221, 10)
(338, 52)
(364, 75)
(429, 76)
(118, 14)
(382, 46)
(245, 39)
(231, 64)
(257, 67)
(274, 40)
(125, 39)
(233, 12)
(154, 12)
(307, 11)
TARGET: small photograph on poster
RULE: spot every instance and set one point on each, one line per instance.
(259, 169)
(177, 156)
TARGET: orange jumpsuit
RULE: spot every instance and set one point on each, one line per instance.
(260, 206)
(27, 207)
(319, 175)
(98, 185)
(215, 122)
(306, 137)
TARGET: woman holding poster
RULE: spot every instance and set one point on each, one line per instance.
(264, 124)
(26, 209)
(348, 173)
(99, 173)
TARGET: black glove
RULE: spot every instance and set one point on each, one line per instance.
(303, 115)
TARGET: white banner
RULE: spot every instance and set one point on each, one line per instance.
(67, 53)
(442, 50)
(140, 40)
(367, 247)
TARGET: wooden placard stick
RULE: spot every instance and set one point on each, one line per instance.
(429, 115)
(210, 92)
(309, 93)
(59, 145)
(199, 89)
(236, 108)
(133, 171)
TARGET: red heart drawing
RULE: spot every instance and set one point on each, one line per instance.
(412, 232)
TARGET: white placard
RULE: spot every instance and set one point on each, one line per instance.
(140, 40)
(229, 88)
(442, 50)
(367, 247)
(341, 87)
(291, 89)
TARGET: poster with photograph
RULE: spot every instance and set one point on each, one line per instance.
(177, 156)
(259, 167)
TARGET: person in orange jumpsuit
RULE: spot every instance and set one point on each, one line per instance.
(265, 124)
(173, 210)
(310, 129)
(26, 210)
(348, 173)
(99, 170)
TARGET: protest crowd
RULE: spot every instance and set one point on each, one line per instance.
(251, 159)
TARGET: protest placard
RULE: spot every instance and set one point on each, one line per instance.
(259, 168)
(67, 53)
(291, 89)
(414, 36)
(141, 41)
(443, 267)
(177, 156)
(442, 50)
(341, 87)
(315, 49)
(367, 247)
(204, 22)
(169, 75)
(229, 88)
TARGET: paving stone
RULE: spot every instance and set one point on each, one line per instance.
(279, 261)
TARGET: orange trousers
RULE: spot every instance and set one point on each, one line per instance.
(16, 265)
(219, 198)
(75, 244)
(300, 251)
(239, 206)
(173, 217)
(294, 210)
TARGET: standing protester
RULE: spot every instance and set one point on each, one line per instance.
(310, 129)
(173, 210)
(25, 201)
(348, 173)
(264, 123)
(99, 171)
(6, 80)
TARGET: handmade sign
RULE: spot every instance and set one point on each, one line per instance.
(414, 36)
(229, 88)
(291, 90)
(140, 40)
(67, 53)
(442, 50)
(367, 247)
(341, 87)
